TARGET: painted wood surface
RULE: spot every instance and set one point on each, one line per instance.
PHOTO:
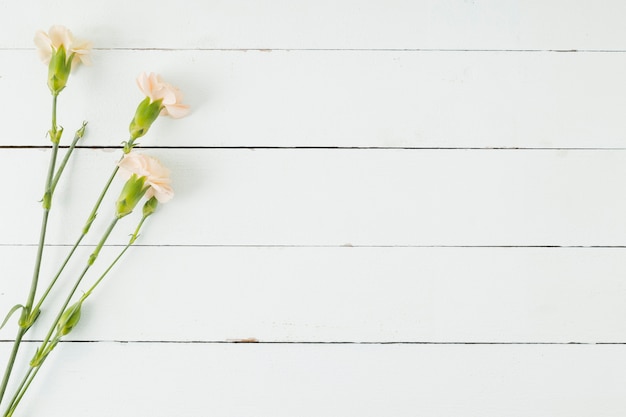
(277, 98)
(410, 207)
(327, 24)
(343, 294)
(322, 380)
(325, 197)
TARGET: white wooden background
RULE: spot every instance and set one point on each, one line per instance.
(416, 207)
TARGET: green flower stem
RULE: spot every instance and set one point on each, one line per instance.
(58, 274)
(29, 315)
(132, 240)
(77, 136)
(84, 232)
(47, 345)
(92, 215)
(90, 262)
(128, 146)
(94, 211)
(9, 368)
(47, 201)
(28, 378)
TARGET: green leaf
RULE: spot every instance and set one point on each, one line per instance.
(10, 313)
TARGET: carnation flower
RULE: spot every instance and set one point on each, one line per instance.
(162, 99)
(60, 36)
(62, 53)
(153, 86)
(157, 176)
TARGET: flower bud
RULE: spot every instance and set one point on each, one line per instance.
(69, 319)
(150, 206)
(147, 112)
(59, 70)
(132, 192)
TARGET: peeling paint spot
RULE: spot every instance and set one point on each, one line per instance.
(247, 340)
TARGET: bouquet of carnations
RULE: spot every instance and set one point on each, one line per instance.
(146, 179)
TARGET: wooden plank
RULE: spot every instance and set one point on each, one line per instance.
(402, 24)
(340, 197)
(334, 99)
(104, 379)
(494, 295)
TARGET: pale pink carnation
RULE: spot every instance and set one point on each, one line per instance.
(58, 36)
(153, 86)
(157, 176)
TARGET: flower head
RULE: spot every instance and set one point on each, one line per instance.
(162, 99)
(157, 177)
(59, 36)
(153, 86)
(62, 52)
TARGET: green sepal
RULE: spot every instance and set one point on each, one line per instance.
(147, 112)
(36, 360)
(150, 206)
(46, 202)
(81, 131)
(59, 70)
(55, 135)
(69, 319)
(10, 313)
(42, 352)
(28, 320)
(132, 192)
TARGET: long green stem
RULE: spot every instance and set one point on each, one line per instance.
(12, 356)
(94, 211)
(22, 331)
(84, 232)
(92, 214)
(77, 136)
(50, 186)
(44, 349)
(90, 262)
(17, 397)
(119, 256)
(47, 201)
(29, 316)
(58, 274)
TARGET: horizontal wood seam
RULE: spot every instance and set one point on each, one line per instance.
(256, 49)
(408, 148)
(246, 341)
(345, 246)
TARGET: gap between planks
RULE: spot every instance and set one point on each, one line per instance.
(330, 148)
(304, 342)
(443, 50)
(344, 246)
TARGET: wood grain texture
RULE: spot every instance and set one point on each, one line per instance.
(374, 295)
(343, 197)
(104, 379)
(416, 207)
(427, 99)
(315, 24)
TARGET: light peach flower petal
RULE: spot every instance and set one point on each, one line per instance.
(157, 176)
(162, 192)
(82, 52)
(153, 86)
(147, 83)
(177, 111)
(44, 46)
(58, 36)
